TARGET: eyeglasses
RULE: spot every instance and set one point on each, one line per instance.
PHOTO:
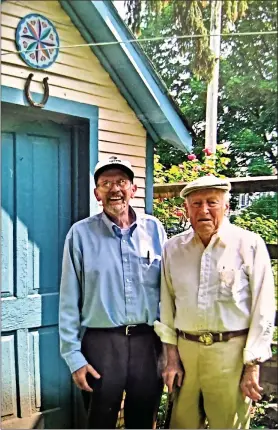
(123, 184)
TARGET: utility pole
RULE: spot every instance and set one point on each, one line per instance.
(212, 90)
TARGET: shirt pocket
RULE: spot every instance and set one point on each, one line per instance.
(233, 284)
(150, 271)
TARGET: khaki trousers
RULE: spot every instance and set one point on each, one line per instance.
(211, 386)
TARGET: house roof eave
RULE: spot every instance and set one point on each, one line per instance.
(130, 69)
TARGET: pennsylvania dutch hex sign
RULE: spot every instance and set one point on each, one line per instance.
(37, 41)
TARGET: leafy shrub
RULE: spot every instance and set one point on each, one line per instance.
(266, 228)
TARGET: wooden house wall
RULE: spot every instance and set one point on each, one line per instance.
(77, 75)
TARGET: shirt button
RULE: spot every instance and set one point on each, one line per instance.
(124, 241)
(127, 280)
(125, 259)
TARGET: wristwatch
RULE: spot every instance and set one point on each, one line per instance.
(253, 362)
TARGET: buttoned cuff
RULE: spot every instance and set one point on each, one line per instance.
(75, 360)
(262, 354)
(166, 334)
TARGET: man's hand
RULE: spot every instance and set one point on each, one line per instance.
(250, 382)
(173, 368)
(79, 377)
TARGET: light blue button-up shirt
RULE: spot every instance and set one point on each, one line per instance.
(109, 278)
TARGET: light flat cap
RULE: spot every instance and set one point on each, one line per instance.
(206, 182)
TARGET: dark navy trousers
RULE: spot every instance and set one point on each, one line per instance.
(129, 363)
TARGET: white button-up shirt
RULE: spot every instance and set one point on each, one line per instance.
(226, 286)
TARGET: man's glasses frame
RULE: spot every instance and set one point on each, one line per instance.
(123, 184)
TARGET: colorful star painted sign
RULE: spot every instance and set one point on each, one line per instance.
(37, 40)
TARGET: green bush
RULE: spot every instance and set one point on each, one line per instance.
(265, 206)
(266, 228)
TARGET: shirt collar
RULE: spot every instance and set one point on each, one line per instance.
(224, 232)
(114, 229)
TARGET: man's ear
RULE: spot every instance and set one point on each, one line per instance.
(97, 195)
(133, 190)
(227, 207)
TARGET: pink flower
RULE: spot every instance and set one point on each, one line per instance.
(181, 166)
(207, 151)
(179, 213)
(191, 157)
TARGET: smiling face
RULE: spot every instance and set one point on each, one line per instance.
(114, 189)
(206, 210)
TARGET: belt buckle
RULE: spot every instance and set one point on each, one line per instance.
(206, 338)
(127, 329)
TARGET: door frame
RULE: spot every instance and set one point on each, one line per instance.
(89, 114)
(71, 109)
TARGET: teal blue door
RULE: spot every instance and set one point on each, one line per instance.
(36, 215)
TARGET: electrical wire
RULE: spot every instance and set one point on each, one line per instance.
(159, 38)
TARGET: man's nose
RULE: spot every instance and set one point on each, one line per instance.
(204, 207)
(115, 187)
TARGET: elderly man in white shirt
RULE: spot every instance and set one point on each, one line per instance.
(217, 312)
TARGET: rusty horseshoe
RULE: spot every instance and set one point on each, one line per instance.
(28, 94)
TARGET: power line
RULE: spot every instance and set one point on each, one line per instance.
(151, 39)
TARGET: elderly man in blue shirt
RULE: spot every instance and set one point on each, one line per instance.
(109, 300)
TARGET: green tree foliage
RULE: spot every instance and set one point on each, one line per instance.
(248, 87)
(266, 228)
(266, 206)
(188, 17)
(247, 109)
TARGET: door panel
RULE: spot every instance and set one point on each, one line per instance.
(36, 215)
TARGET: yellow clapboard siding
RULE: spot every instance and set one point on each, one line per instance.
(64, 59)
(99, 77)
(138, 203)
(61, 81)
(22, 8)
(140, 182)
(67, 94)
(66, 38)
(77, 55)
(121, 138)
(77, 75)
(135, 161)
(140, 192)
(41, 5)
(134, 129)
(121, 149)
(139, 210)
(9, 20)
(127, 118)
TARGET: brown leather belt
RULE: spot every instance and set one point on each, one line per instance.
(208, 338)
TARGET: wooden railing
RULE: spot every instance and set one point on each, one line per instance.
(239, 185)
